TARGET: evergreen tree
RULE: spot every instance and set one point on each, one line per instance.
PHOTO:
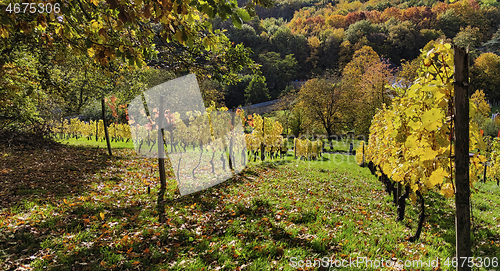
(257, 91)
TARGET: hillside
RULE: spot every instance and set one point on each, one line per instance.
(305, 39)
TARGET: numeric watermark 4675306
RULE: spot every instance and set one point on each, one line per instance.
(381, 263)
(33, 8)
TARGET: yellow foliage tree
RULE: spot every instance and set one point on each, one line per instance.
(485, 75)
(479, 99)
(364, 80)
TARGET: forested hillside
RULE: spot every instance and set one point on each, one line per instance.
(300, 40)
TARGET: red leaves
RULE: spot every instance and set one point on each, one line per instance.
(123, 109)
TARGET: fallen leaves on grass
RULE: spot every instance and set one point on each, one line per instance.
(94, 212)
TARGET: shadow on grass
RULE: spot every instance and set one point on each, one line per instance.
(81, 222)
(47, 173)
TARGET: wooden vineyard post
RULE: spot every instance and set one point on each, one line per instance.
(462, 193)
(295, 148)
(61, 136)
(484, 173)
(105, 127)
(231, 156)
(262, 147)
(363, 163)
(96, 130)
(161, 163)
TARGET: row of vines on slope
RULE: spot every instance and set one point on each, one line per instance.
(411, 141)
(265, 132)
(75, 128)
(307, 149)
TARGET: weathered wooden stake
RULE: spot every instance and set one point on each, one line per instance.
(462, 193)
(231, 155)
(262, 148)
(484, 173)
(161, 164)
(295, 148)
(363, 163)
(105, 127)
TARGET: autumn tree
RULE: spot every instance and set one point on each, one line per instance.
(19, 92)
(284, 108)
(483, 120)
(322, 101)
(298, 121)
(246, 35)
(114, 34)
(364, 82)
(449, 23)
(285, 43)
(314, 46)
(347, 50)
(329, 51)
(111, 29)
(431, 34)
(485, 75)
(469, 36)
(358, 30)
(212, 91)
(405, 41)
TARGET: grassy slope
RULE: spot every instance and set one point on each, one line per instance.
(67, 214)
(99, 143)
(340, 145)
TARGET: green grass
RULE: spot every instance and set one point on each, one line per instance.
(98, 144)
(269, 217)
(340, 145)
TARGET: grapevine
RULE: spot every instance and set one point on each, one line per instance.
(411, 141)
(266, 133)
(304, 148)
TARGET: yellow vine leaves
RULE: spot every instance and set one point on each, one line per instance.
(411, 140)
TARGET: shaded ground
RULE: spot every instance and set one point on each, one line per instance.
(46, 173)
(79, 209)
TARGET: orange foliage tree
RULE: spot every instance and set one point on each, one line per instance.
(364, 79)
